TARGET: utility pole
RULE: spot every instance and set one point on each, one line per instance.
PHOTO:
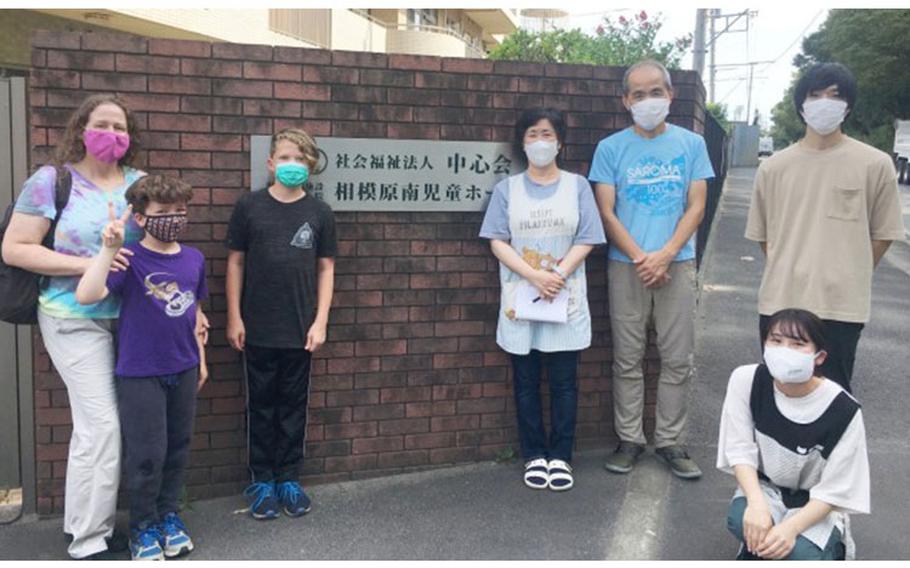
(749, 98)
(698, 52)
(729, 20)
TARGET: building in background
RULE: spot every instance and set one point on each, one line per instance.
(426, 31)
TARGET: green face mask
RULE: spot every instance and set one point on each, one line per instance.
(291, 174)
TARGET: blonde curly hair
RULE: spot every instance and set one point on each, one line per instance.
(302, 140)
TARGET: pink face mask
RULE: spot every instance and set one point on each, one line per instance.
(106, 146)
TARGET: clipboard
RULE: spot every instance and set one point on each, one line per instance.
(531, 307)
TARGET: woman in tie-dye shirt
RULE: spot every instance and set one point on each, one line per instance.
(97, 149)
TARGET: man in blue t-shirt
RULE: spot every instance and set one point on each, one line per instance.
(650, 186)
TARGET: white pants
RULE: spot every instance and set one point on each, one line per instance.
(82, 351)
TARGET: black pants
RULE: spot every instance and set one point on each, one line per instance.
(156, 419)
(842, 338)
(278, 384)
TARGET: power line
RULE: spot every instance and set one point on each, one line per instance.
(798, 38)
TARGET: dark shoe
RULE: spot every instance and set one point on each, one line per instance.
(263, 504)
(117, 542)
(623, 458)
(679, 461)
(294, 502)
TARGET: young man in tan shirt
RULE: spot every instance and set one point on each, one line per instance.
(824, 211)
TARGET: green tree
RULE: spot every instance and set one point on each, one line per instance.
(873, 45)
(719, 112)
(623, 42)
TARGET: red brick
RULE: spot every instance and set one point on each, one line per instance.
(160, 140)
(382, 315)
(330, 448)
(405, 426)
(450, 423)
(156, 103)
(181, 85)
(359, 59)
(303, 92)
(210, 68)
(352, 398)
(146, 64)
(416, 62)
(217, 142)
(55, 79)
(457, 360)
(50, 452)
(56, 39)
(350, 463)
(386, 347)
(302, 55)
(311, 127)
(180, 48)
(359, 130)
(262, 108)
(380, 380)
(351, 430)
(242, 51)
(113, 82)
(428, 441)
(64, 99)
(457, 328)
(419, 281)
(381, 444)
(114, 42)
(386, 113)
(493, 83)
(435, 248)
(275, 71)
(452, 392)
(407, 394)
(342, 75)
(464, 132)
(481, 437)
(433, 345)
(413, 131)
(161, 159)
(354, 365)
(406, 362)
(333, 382)
(355, 93)
(378, 412)
(354, 299)
(180, 123)
(52, 416)
(327, 416)
(245, 88)
(242, 125)
(416, 97)
(80, 60)
(403, 459)
(459, 65)
(569, 71)
(406, 330)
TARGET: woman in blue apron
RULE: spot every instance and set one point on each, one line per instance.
(542, 223)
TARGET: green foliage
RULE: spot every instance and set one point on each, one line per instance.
(506, 455)
(873, 44)
(719, 112)
(623, 42)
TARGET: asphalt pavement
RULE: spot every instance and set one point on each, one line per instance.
(484, 512)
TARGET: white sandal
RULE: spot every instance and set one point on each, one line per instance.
(536, 474)
(560, 475)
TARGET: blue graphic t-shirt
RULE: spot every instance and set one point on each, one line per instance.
(652, 178)
(78, 234)
(159, 293)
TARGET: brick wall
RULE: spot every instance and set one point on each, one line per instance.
(411, 376)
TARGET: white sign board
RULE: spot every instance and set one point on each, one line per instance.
(367, 174)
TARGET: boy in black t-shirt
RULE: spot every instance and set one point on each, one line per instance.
(280, 275)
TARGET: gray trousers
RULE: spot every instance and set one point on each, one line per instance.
(672, 309)
(156, 417)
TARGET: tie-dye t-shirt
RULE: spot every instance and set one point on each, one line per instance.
(652, 178)
(78, 233)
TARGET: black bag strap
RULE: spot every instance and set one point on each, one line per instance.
(63, 186)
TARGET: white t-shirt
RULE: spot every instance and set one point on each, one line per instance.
(841, 480)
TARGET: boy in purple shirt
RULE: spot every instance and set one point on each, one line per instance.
(160, 360)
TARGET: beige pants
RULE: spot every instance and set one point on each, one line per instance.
(672, 308)
(83, 353)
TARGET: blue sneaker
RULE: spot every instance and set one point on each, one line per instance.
(144, 545)
(263, 504)
(294, 501)
(174, 536)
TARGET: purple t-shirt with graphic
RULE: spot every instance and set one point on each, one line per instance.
(158, 295)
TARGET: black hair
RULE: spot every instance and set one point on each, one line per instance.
(529, 118)
(821, 76)
(797, 324)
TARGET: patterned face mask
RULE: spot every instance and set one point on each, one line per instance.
(165, 228)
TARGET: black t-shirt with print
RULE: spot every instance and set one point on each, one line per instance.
(282, 243)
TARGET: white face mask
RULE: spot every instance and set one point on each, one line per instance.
(651, 112)
(824, 115)
(542, 153)
(788, 365)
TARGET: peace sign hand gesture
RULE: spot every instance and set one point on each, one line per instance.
(114, 232)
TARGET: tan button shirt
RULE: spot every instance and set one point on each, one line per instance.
(818, 211)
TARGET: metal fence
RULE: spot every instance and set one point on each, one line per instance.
(716, 140)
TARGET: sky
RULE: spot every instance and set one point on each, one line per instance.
(775, 34)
